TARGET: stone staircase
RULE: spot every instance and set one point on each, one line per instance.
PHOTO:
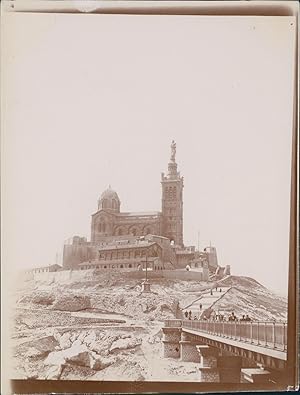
(207, 300)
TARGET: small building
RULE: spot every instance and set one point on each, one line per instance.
(44, 269)
(128, 254)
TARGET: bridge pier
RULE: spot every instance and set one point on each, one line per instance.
(188, 350)
(208, 369)
(171, 339)
(229, 352)
(229, 369)
(255, 375)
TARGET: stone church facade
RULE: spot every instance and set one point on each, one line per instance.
(109, 221)
(129, 240)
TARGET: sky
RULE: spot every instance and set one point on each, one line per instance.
(93, 100)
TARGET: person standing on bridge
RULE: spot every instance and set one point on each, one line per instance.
(200, 306)
(232, 317)
(190, 315)
(186, 314)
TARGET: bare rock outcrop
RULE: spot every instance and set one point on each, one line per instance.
(39, 298)
(37, 349)
(71, 303)
(125, 344)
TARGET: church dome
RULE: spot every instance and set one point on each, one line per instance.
(109, 200)
(109, 194)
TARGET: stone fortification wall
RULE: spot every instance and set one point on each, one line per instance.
(185, 275)
(64, 275)
(77, 275)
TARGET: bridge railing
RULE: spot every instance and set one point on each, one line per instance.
(262, 333)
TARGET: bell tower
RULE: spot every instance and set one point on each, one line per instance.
(172, 201)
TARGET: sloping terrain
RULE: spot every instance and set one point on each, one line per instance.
(247, 296)
(102, 327)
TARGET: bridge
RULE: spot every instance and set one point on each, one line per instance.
(237, 351)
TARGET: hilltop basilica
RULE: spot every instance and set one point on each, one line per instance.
(130, 240)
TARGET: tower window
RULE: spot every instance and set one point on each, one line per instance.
(174, 192)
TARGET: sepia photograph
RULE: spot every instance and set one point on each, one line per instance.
(147, 170)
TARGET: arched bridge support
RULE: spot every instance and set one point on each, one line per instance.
(229, 369)
(218, 368)
(171, 339)
(208, 369)
(188, 349)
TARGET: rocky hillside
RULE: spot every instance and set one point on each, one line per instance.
(102, 327)
(247, 296)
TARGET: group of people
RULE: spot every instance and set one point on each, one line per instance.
(217, 290)
(247, 318)
(244, 318)
(188, 315)
(217, 317)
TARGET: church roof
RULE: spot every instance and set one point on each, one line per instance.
(132, 214)
(118, 261)
(109, 193)
(138, 244)
(184, 252)
(140, 214)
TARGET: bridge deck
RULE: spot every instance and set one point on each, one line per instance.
(260, 349)
(267, 338)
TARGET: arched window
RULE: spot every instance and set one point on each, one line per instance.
(104, 266)
(134, 231)
(147, 231)
(168, 192)
(114, 203)
(120, 231)
(121, 266)
(154, 252)
(174, 192)
(130, 265)
(104, 203)
(102, 225)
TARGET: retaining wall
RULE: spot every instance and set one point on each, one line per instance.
(79, 275)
